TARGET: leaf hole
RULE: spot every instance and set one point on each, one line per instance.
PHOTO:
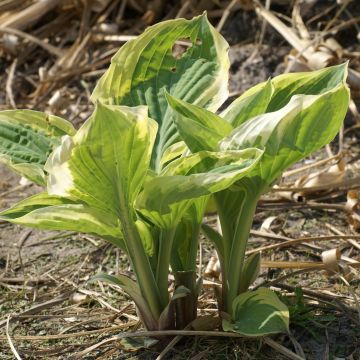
(180, 47)
(173, 69)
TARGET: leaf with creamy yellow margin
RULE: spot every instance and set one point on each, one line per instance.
(148, 66)
(27, 138)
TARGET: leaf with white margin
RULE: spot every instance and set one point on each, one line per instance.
(172, 152)
(306, 83)
(200, 129)
(253, 102)
(250, 271)
(133, 290)
(105, 163)
(165, 198)
(184, 249)
(146, 67)
(27, 138)
(258, 313)
(47, 212)
(285, 86)
(304, 125)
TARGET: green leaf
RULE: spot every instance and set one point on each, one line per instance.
(130, 344)
(166, 197)
(172, 152)
(307, 83)
(146, 237)
(144, 68)
(253, 102)
(258, 313)
(167, 317)
(133, 290)
(105, 163)
(201, 129)
(250, 271)
(27, 138)
(304, 125)
(104, 166)
(43, 211)
(184, 249)
(215, 237)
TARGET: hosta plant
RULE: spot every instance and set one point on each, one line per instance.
(141, 169)
(100, 179)
(289, 118)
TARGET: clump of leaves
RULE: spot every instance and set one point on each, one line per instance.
(141, 170)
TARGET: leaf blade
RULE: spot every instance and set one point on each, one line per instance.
(46, 212)
(143, 68)
(27, 138)
(258, 313)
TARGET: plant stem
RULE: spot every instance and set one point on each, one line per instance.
(140, 264)
(193, 248)
(162, 270)
(237, 254)
(236, 234)
(186, 307)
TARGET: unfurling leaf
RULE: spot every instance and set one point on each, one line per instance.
(258, 313)
(250, 271)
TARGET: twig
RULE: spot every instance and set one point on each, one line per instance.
(9, 81)
(183, 9)
(158, 334)
(338, 13)
(263, 25)
(48, 47)
(39, 307)
(282, 349)
(12, 347)
(310, 166)
(338, 232)
(31, 14)
(225, 15)
(299, 241)
(171, 344)
(284, 277)
(15, 189)
(348, 183)
(22, 241)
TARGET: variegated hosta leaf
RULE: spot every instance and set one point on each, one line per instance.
(253, 102)
(184, 249)
(258, 313)
(165, 198)
(174, 151)
(285, 86)
(49, 212)
(105, 163)
(250, 271)
(303, 126)
(148, 66)
(27, 138)
(306, 83)
(200, 128)
(133, 290)
(146, 237)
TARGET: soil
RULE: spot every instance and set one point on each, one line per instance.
(39, 266)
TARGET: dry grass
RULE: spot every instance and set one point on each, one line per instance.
(51, 54)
